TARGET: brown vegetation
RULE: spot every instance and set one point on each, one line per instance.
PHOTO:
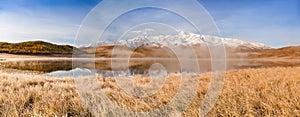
(156, 52)
(123, 52)
(292, 52)
(37, 48)
(249, 92)
(34, 94)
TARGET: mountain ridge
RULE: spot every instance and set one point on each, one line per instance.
(183, 39)
(47, 48)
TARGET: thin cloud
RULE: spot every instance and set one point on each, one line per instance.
(18, 26)
(268, 22)
(57, 24)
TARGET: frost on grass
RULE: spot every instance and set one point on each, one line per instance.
(250, 92)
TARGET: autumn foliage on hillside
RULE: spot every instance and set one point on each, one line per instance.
(37, 47)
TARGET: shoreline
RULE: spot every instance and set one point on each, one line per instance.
(13, 57)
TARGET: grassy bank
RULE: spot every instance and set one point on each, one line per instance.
(250, 92)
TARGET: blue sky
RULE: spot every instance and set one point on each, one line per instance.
(273, 22)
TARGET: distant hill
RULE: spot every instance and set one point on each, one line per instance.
(291, 52)
(123, 51)
(37, 48)
(116, 51)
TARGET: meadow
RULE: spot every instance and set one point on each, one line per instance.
(249, 92)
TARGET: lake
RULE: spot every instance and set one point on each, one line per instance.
(111, 67)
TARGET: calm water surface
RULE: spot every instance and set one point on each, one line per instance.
(66, 68)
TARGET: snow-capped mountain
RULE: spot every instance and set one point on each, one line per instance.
(185, 39)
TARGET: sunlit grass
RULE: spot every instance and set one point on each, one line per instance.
(250, 92)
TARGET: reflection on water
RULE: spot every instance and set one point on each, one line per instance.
(125, 67)
(42, 66)
(74, 72)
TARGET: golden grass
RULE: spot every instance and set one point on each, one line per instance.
(34, 94)
(249, 92)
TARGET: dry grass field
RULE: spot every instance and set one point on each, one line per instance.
(250, 92)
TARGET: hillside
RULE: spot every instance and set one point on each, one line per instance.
(123, 52)
(37, 48)
(291, 52)
(163, 52)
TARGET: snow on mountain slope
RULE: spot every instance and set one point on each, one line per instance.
(184, 39)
